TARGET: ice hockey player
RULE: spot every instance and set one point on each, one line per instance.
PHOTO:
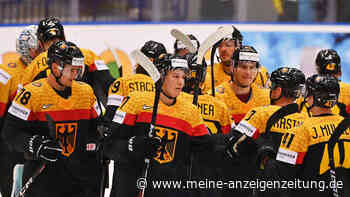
(268, 125)
(328, 62)
(179, 131)
(123, 86)
(28, 48)
(316, 151)
(96, 73)
(66, 147)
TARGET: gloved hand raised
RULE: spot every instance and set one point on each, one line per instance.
(43, 148)
(144, 147)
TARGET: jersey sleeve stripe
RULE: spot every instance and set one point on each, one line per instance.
(289, 156)
(226, 129)
(100, 65)
(115, 100)
(121, 117)
(2, 109)
(20, 111)
(237, 117)
(200, 130)
(66, 115)
(175, 123)
(4, 77)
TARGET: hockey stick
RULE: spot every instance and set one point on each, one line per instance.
(52, 134)
(208, 43)
(115, 55)
(211, 40)
(184, 39)
(146, 64)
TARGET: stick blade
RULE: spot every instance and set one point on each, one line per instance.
(51, 125)
(211, 40)
(146, 64)
(184, 39)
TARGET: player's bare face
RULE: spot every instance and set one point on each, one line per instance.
(69, 74)
(226, 49)
(245, 73)
(174, 82)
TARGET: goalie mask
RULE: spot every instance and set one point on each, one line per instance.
(324, 89)
(66, 53)
(26, 40)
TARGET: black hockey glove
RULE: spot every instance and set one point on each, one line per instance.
(265, 151)
(239, 145)
(43, 148)
(144, 147)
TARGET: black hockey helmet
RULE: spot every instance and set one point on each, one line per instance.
(328, 62)
(50, 28)
(246, 53)
(178, 45)
(291, 80)
(62, 53)
(167, 62)
(153, 49)
(324, 88)
(197, 73)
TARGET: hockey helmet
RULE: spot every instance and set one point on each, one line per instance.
(328, 62)
(50, 28)
(291, 80)
(26, 40)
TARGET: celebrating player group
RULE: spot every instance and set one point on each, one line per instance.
(176, 118)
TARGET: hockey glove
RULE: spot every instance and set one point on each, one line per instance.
(43, 148)
(144, 147)
(240, 145)
(265, 151)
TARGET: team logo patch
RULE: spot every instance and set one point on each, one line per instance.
(220, 90)
(66, 133)
(11, 65)
(168, 138)
(44, 106)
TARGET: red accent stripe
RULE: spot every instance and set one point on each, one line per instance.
(66, 115)
(226, 129)
(300, 157)
(237, 117)
(172, 122)
(200, 130)
(129, 119)
(348, 109)
(92, 68)
(3, 107)
(256, 134)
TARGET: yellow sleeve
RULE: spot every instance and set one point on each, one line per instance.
(294, 146)
(253, 123)
(22, 105)
(278, 6)
(34, 68)
(116, 93)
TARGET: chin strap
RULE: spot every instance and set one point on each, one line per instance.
(169, 97)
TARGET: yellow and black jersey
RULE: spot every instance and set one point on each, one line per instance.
(38, 68)
(96, 72)
(220, 76)
(10, 75)
(307, 145)
(123, 86)
(255, 122)
(262, 78)
(339, 108)
(236, 107)
(74, 118)
(176, 125)
(344, 96)
(214, 113)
